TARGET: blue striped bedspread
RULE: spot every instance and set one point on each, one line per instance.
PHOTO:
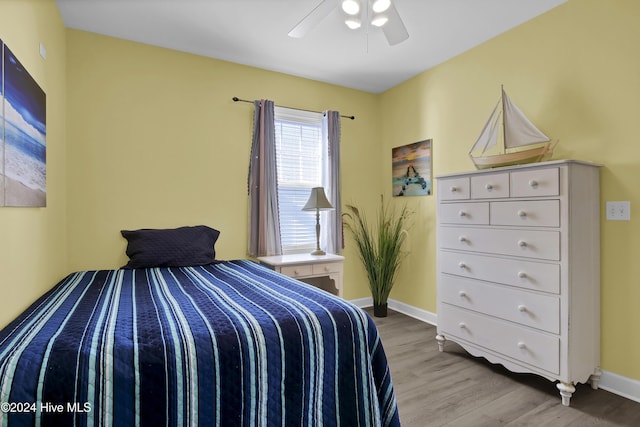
(229, 344)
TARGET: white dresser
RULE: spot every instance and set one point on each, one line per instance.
(519, 268)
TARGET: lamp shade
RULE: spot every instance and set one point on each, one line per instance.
(317, 200)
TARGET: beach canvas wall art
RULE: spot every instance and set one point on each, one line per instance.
(22, 136)
(411, 169)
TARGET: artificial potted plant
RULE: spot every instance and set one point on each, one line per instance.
(379, 248)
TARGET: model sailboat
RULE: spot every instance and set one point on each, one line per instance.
(523, 142)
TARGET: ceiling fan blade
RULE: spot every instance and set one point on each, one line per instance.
(313, 18)
(394, 30)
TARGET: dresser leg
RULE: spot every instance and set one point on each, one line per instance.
(595, 378)
(566, 391)
(441, 340)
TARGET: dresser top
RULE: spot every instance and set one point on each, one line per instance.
(540, 165)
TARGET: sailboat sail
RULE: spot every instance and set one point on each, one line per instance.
(493, 134)
(489, 135)
(518, 129)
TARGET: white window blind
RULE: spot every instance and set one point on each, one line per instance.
(301, 157)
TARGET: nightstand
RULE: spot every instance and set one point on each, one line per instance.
(309, 268)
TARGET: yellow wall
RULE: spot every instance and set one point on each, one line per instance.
(156, 141)
(33, 240)
(575, 71)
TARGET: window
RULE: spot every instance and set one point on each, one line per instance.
(301, 157)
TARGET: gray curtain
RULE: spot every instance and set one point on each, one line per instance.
(264, 220)
(331, 130)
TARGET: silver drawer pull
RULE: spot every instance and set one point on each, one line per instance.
(462, 325)
(522, 214)
(463, 239)
(533, 183)
(522, 308)
(489, 187)
(454, 189)
(462, 294)
(522, 275)
(522, 345)
(462, 265)
(522, 243)
(462, 214)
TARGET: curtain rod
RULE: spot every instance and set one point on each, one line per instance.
(236, 99)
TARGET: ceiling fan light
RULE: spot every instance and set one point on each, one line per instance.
(379, 20)
(353, 23)
(381, 5)
(351, 7)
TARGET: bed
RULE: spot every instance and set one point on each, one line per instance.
(225, 343)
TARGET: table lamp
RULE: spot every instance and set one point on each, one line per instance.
(317, 201)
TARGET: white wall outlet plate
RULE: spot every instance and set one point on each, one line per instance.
(619, 211)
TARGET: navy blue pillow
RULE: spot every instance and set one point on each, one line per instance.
(176, 247)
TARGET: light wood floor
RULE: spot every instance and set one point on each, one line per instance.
(454, 388)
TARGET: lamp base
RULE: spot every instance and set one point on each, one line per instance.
(318, 252)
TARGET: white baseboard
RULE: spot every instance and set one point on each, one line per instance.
(417, 313)
(409, 310)
(362, 302)
(622, 386)
(614, 383)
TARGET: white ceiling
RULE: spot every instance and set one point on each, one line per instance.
(254, 32)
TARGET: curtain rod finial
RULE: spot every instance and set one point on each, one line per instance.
(235, 99)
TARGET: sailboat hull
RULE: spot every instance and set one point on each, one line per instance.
(521, 157)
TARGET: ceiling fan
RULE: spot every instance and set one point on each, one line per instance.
(379, 13)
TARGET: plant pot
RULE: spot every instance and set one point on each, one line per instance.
(380, 310)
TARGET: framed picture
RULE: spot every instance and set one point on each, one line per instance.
(23, 131)
(411, 170)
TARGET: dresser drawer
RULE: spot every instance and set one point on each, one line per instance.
(527, 213)
(537, 244)
(453, 188)
(538, 276)
(464, 213)
(490, 186)
(517, 342)
(537, 182)
(326, 268)
(297, 270)
(530, 309)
